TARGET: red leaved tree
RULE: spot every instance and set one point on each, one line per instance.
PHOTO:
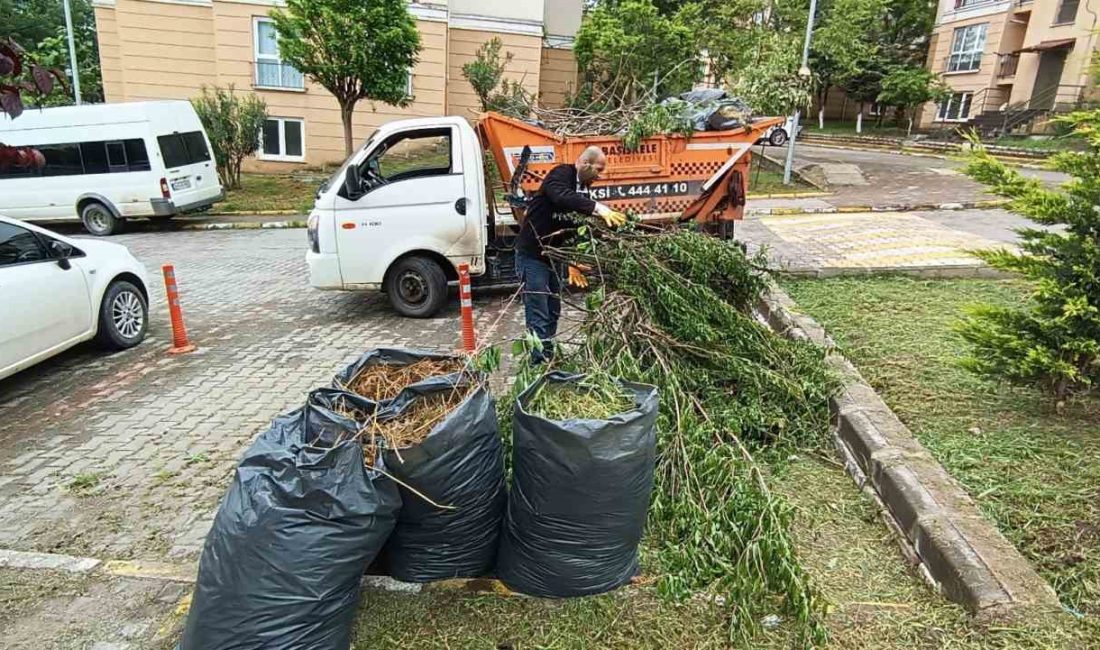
(16, 78)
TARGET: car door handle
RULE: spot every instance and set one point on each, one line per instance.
(460, 206)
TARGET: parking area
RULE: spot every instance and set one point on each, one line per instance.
(125, 456)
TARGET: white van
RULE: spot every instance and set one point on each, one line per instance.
(106, 163)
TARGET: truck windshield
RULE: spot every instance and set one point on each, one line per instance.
(338, 175)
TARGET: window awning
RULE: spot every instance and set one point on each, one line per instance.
(1058, 44)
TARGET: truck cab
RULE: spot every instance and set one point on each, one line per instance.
(402, 213)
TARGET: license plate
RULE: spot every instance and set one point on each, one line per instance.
(644, 190)
(181, 184)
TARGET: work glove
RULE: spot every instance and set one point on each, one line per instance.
(576, 278)
(612, 218)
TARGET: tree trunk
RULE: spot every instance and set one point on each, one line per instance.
(859, 119)
(821, 118)
(909, 130)
(345, 116)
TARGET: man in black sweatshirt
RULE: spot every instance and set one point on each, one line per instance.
(548, 223)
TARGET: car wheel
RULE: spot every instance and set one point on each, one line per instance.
(99, 220)
(778, 138)
(123, 316)
(417, 287)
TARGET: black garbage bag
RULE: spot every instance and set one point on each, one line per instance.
(384, 356)
(283, 562)
(459, 464)
(580, 493)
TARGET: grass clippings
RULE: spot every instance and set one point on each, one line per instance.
(586, 400)
(412, 426)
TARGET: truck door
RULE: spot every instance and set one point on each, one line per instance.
(414, 197)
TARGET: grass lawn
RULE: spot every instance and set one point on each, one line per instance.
(1032, 468)
(1052, 144)
(875, 599)
(769, 181)
(888, 128)
(261, 192)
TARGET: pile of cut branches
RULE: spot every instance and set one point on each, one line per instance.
(383, 381)
(674, 310)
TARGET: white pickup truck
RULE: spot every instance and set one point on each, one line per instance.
(403, 212)
(413, 203)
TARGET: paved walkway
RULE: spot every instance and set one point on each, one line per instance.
(900, 179)
(872, 241)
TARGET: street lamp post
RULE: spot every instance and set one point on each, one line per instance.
(72, 51)
(804, 72)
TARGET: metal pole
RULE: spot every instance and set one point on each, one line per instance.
(803, 70)
(72, 51)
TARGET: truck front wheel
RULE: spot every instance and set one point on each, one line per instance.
(417, 287)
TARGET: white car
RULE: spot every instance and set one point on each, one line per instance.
(778, 135)
(56, 292)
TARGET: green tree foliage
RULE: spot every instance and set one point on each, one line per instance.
(495, 93)
(39, 26)
(907, 87)
(841, 42)
(772, 85)
(1053, 342)
(357, 50)
(232, 123)
(627, 49)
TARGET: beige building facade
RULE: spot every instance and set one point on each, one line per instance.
(1025, 58)
(170, 49)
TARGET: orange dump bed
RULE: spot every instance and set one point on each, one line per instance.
(703, 176)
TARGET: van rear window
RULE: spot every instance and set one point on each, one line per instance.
(179, 149)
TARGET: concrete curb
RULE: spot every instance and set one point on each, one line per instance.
(953, 271)
(1016, 161)
(244, 225)
(899, 207)
(963, 552)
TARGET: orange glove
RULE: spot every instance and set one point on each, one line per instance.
(576, 278)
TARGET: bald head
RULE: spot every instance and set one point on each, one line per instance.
(590, 164)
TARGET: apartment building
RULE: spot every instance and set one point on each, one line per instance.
(1011, 64)
(170, 49)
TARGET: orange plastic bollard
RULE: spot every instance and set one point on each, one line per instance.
(469, 343)
(180, 344)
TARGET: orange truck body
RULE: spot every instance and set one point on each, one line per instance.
(703, 176)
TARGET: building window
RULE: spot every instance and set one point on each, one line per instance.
(966, 48)
(283, 138)
(271, 72)
(876, 109)
(1067, 12)
(955, 109)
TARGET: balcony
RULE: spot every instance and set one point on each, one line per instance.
(1006, 65)
(278, 75)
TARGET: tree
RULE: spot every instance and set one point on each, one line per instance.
(772, 86)
(40, 26)
(495, 93)
(486, 70)
(628, 49)
(1053, 341)
(842, 42)
(355, 49)
(232, 123)
(17, 78)
(908, 87)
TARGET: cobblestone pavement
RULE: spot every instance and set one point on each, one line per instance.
(126, 455)
(878, 240)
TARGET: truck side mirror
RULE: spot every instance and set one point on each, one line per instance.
(353, 185)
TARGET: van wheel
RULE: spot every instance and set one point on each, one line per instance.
(778, 138)
(123, 316)
(417, 287)
(99, 220)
